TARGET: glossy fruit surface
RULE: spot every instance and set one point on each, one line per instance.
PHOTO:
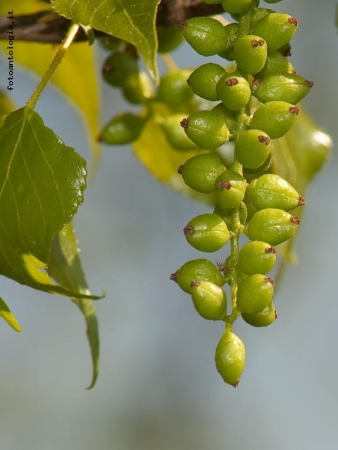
(230, 189)
(173, 88)
(233, 91)
(175, 133)
(254, 293)
(206, 129)
(263, 318)
(252, 148)
(273, 226)
(273, 191)
(277, 29)
(207, 232)
(251, 53)
(276, 63)
(256, 257)
(206, 36)
(230, 358)
(210, 300)
(169, 38)
(122, 129)
(275, 118)
(201, 171)
(204, 79)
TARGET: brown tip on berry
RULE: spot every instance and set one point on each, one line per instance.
(183, 25)
(231, 81)
(224, 185)
(295, 220)
(270, 250)
(270, 280)
(235, 384)
(294, 110)
(256, 83)
(293, 20)
(173, 276)
(276, 315)
(189, 230)
(301, 201)
(195, 283)
(309, 83)
(184, 123)
(107, 68)
(257, 42)
(287, 51)
(220, 266)
(180, 169)
(264, 139)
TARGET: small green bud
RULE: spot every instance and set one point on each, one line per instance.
(169, 38)
(256, 257)
(230, 189)
(210, 300)
(233, 91)
(175, 133)
(281, 87)
(277, 29)
(201, 171)
(251, 53)
(197, 270)
(204, 79)
(275, 118)
(252, 148)
(173, 88)
(272, 191)
(206, 36)
(206, 129)
(207, 233)
(236, 6)
(254, 293)
(273, 226)
(230, 358)
(118, 67)
(263, 318)
(122, 129)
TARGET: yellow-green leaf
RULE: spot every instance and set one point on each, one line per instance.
(8, 316)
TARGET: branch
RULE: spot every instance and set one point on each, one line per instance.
(49, 27)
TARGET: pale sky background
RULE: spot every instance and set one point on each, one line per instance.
(158, 387)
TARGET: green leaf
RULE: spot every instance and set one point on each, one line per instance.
(132, 21)
(41, 187)
(8, 316)
(65, 267)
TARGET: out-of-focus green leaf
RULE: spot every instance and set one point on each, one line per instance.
(6, 106)
(133, 21)
(8, 316)
(65, 267)
(41, 187)
(75, 77)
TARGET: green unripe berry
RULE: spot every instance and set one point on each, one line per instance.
(252, 148)
(206, 36)
(230, 358)
(251, 53)
(272, 191)
(251, 174)
(272, 1)
(275, 118)
(228, 116)
(197, 270)
(207, 233)
(236, 6)
(175, 133)
(273, 226)
(173, 88)
(206, 129)
(210, 300)
(231, 34)
(110, 42)
(201, 171)
(118, 67)
(204, 79)
(169, 38)
(254, 293)
(281, 87)
(256, 257)
(233, 91)
(263, 318)
(230, 189)
(122, 129)
(259, 13)
(277, 29)
(276, 63)
(137, 88)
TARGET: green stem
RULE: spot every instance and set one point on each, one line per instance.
(55, 63)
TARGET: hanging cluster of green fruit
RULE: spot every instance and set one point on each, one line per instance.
(251, 104)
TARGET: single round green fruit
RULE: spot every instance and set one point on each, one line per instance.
(256, 257)
(272, 191)
(254, 293)
(275, 118)
(277, 29)
(206, 36)
(236, 6)
(197, 270)
(230, 189)
(230, 358)
(110, 43)
(175, 133)
(138, 88)
(201, 171)
(207, 233)
(273, 226)
(173, 88)
(263, 318)
(210, 300)
(233, 91)
(118, 68)
(251, 53)
(206, 129)
(169, 38)
(122, 129)
(204, 79)
(252, 148)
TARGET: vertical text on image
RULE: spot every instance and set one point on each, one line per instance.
(10, 48)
